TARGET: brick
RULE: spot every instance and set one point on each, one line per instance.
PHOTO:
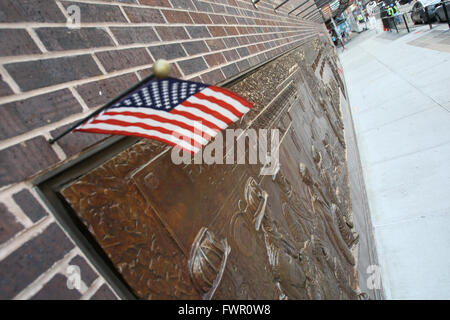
(168, 51)
(256, 38)
(260, 58)
(217, 19)
(215, 59)
(140, 15)
(195, 79)
(253, 49)
(203, 6)
(33, 258)
(223, 2)
(242, 21)
(252, 38)
(231, 31)
(104, 293)
(175, 16)
(144, 73)
(129, 35)
(124, 1)
(29, 205)
(97, 12)
(218, 8)
(213, 77)
(75, 142)
(231, 42)
(5, 90)
(192, 65)
(272, 53)
(217, 31)
(267, 37)
(268, 45)
(231, 20)
(258, 29)
(172, 33)
(56, 289)
(25, 159)
(243, 52)
(243, 65)
(216, 44)
(200, 18)
(58, 39)
(30, 11)
(16, 42)
(249, 12)
(253, 30)
(97, 93)
(121, 1)
(198, 32)
(230, 71)
(115, 60)
(156, 3)
(260, 47)
(31, 75)
(195, 47)
(243, 41)
(242, 30)
(252, 62)
(183, 4)
(8, 224)
(231, 55)
(25, 115)
(174, 72)
(88, 275)
(231, 10)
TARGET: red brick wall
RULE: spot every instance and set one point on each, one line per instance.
(52, 76)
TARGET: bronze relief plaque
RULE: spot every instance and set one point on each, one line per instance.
(224, 231)
(185, 199)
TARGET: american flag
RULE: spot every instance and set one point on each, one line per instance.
(180, 113)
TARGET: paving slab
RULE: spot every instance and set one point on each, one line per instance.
(399, 90)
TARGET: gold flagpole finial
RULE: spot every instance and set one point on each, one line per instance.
(161, 68)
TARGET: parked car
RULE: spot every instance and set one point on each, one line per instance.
(420, 15)
(439, 12)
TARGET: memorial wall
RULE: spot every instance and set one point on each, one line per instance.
(121, 214)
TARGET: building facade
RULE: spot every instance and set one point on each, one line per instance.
(60, 60)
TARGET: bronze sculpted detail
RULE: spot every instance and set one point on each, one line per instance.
(196, 231)
(256, 199)
(207, 262)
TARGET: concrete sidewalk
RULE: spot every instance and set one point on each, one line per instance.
(399, 88)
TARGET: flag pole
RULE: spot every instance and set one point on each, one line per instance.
(161, 69)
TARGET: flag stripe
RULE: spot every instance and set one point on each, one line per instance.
(231, 95)
(114, 129)
(152, 124)
(216, 115)
(213, 107)
(135, 134)
(147, 127)
(220, 103)
(189, 107)
(199, 130)
(202, 121)
(222, 97)
(177, 117)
